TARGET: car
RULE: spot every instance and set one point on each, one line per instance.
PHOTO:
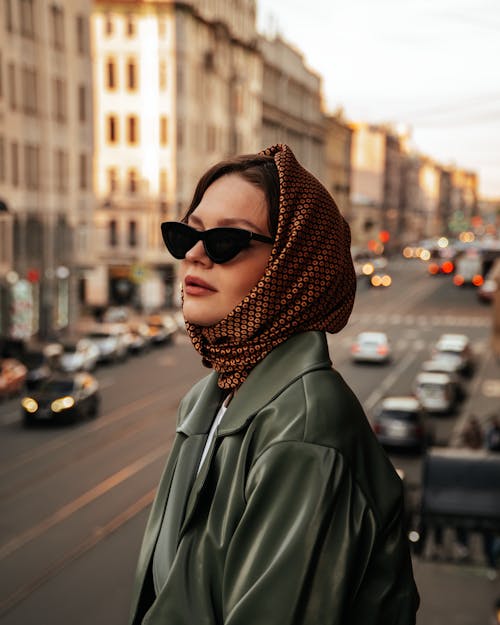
(62, 397)
(111, 341)
(381, 279)
(458, 347)
(486, 291)
(401, 421)
(79, 355)
(116, 314)
(450, 367)
(436, 391)
(12, 377)
(138, 338)
(161, 328)
(371, 347)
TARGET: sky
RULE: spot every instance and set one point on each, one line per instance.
(430, 65)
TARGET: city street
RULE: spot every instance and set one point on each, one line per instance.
(75, 499)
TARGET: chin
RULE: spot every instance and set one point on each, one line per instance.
(200, 317)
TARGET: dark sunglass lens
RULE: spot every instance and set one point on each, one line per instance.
(223, 244)
(178, 238)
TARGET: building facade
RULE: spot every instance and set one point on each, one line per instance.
(46, 195)
(337, 168)
(292, 104)
(177, 88)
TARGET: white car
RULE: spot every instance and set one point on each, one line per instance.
(81, 355)
(371, 347)
(436, 392)
(111, 341)
(450, 367)
(457, 347)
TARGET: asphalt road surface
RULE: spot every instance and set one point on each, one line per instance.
(74, 499)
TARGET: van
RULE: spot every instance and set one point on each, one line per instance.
(436, 392)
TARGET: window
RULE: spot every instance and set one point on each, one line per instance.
(132, 181)
(163, 130)
(12, 87)
(131, 26)
(163, 181)
(113, 233)
(111, 74)
(3, 168)
(81, 35)
(14, 157)
(132, 129)
(131, 75)
(9, 22)
(57, 26)
(61, 171)
(83, 172)
(32, 166)
(26, 18)
(60, 99)
(112, 129)
(108, 25)
(132, 233)
(112, 180)
(29, 90)
(162, 78)
(82, 103)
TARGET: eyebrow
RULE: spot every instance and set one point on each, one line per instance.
(230, 221)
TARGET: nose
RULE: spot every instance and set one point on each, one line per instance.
(197, 254)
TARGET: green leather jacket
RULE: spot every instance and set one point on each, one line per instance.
(296, 515)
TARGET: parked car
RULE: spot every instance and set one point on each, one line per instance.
(63, 397)
(12, 377)
(436, 391)
(161, 328)
(371, 347)
(138, 338)
(458, 347)
(80, 355)
(402, 422)
(111, 342)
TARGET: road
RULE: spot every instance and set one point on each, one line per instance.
(75, 499)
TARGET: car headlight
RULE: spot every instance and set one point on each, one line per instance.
(62, 404)
(29, 404)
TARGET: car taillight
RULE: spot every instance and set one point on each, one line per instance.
(382, 350)
(458, 280)
(377, 428)
(355, 348)
(447, 267)
(477, 280)
(433, 268)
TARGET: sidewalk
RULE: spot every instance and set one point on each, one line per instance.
(484, 394)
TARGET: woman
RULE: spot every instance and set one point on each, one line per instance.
(277, 505)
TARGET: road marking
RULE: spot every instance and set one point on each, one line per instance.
(88, 497)
(386, 384)
(91, 541)
(56, 443)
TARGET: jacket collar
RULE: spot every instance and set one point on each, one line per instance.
(299, 354)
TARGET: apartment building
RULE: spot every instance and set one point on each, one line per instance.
(46, 197)
(292, 104)
(177, 87)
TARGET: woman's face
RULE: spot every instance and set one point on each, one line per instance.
(212, 291)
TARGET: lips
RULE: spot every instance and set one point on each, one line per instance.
(197, 286)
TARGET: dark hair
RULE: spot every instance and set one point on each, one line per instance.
(257, 169)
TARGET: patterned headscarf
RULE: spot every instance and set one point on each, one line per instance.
(309, 282)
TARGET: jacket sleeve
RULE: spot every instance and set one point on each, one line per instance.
(309, 550)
